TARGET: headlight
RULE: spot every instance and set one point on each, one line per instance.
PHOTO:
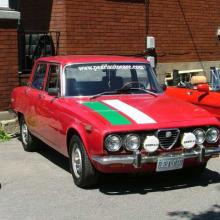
(188, 140)
(200, 135)
(212, 135)
(151, 144)
(113, 143)
(132, 142)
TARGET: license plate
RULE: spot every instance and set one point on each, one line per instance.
(165, 164)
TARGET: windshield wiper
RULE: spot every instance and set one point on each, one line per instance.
(131, 88)
(104, 93)
(121, 91)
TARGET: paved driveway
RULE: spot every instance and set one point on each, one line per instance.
(39, 186)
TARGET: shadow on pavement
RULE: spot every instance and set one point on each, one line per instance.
(55, 157)
(130, 184)
(212, 214)
(120, 184)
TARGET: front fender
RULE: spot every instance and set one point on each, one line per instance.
(92, 139)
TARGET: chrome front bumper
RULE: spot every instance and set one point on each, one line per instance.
(137, 158)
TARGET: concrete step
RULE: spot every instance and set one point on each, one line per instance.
(9, 123)
(7, 115)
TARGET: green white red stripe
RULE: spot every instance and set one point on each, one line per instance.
(108, 113)
(133, 113)
(115, 111)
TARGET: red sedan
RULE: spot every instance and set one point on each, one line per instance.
(109, 114)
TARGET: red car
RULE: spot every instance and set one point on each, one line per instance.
(109, 114)
(200, 93)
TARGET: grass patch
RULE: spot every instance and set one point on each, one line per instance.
(4, 136)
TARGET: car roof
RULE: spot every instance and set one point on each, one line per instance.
(91, 59)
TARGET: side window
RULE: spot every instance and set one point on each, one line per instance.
(39, 75)
(53, 77)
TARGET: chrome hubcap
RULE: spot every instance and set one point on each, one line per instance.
(24, 133)
(77, 161)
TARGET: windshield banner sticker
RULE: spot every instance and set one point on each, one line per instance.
(111, 67)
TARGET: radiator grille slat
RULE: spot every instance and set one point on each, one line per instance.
(168, 138)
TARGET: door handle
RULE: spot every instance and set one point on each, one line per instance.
(26, 91)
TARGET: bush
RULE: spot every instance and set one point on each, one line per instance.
(4, 136)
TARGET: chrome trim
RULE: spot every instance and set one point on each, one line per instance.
(172, 129)
(199, 152)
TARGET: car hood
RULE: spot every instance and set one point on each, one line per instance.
(143, 110)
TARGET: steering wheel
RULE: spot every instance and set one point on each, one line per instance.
(133, 84)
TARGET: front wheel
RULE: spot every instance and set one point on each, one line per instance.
(83, 172)
(29, 142)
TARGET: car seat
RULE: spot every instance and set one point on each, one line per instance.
(113, 82)
(195, 80)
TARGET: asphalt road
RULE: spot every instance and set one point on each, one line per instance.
(39, 186)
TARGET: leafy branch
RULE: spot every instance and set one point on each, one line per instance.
(4, 136)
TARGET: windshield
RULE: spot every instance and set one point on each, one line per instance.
(93, 79)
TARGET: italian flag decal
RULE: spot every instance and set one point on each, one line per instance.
(114, 111)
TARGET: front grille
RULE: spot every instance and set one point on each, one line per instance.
(168, 138)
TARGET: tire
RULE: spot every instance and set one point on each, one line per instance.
(29, 142)
(83, 172)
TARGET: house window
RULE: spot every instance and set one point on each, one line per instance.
(4, 4)
(33, 45)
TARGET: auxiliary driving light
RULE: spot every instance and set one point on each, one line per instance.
(132, 142)
(188, 140)
(113, 143)
(212, 135)
(151, 144)
(200, 136)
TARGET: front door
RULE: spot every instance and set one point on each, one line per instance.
(48, 110)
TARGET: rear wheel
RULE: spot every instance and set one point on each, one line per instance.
(29, 142)
(83, 172)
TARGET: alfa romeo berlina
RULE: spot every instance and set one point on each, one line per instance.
(108, 114)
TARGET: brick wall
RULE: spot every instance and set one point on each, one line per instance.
(105, 26)
(49, 15)
(8, 61)
(185, 30)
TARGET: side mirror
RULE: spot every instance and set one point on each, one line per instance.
(203, 88)
(164, 87)
(53, 92)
